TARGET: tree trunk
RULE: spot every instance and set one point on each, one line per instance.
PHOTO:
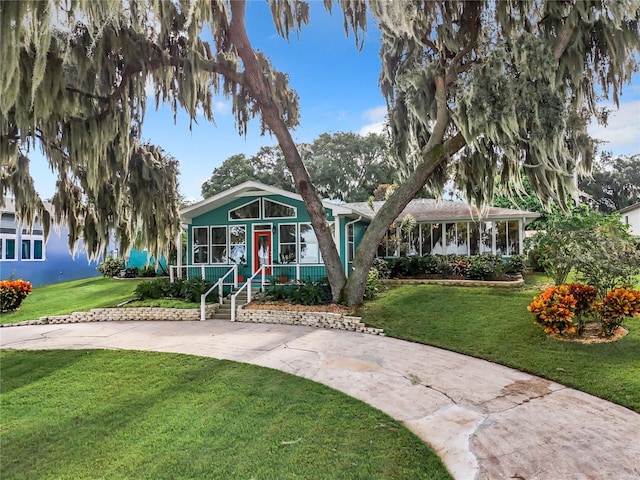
(391, 209)
(256, 84)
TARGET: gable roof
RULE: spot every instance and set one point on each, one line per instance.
(248, 189)
(428, 210)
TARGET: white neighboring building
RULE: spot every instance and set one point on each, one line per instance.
(631, 216)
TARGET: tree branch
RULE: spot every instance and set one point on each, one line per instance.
(563, 40)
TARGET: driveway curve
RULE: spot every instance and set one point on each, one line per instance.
(484, 420)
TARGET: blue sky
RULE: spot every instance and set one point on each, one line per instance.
(338, 89)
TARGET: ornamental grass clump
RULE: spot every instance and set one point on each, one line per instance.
(554, 310)
(12, 293)
(617, 305)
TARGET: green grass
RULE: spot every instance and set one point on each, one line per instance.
(494, 324)
(68, 297)
(142, 415)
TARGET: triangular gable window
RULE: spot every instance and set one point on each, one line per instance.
(278, 210)
(248, 210)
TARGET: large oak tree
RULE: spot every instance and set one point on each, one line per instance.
(477, 88)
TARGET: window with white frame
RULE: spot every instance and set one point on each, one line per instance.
(219, 244)
(237, 244)
(8, 236)
(201, 245)
(350, 242)
(287, 248)
(274, 209)
(32, 245)
(309, 250)
(249, 210)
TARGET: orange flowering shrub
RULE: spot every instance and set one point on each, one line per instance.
(554, 310)
(12, 293)
(615, 307)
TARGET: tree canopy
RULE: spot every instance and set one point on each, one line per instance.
(477, 88)
(614, 183)
(343, 166)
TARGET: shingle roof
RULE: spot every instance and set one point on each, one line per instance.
(428, 209)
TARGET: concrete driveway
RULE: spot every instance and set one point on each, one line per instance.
(484, 420)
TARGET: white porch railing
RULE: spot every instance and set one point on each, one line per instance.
(219, 285)
(248, 284)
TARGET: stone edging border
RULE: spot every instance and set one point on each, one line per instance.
(337, 321)
(327, 320)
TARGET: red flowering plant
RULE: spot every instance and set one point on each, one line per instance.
(554, 310)
(12, 293)
(617, 305)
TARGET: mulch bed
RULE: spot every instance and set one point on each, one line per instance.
(590, 335)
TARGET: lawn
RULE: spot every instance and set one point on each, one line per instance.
(494, 324)
(145, 415)
(68, 297)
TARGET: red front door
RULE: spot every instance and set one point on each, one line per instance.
(262, 253)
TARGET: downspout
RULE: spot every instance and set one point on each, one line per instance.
(346, 243)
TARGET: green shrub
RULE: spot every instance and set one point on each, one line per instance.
(372, 288)
(516, 264)
(382, 267)
(278, 292)
(148, 271)
(111, 266)
(130, 272)
(428, 264)
(401, 267)
(149, 289)
(193, 288)
(310, 293)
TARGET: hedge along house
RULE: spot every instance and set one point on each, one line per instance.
(253, 225)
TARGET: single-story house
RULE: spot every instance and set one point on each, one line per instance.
(631, 216)
(253, 224)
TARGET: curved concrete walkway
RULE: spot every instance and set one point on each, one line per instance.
(484, 420)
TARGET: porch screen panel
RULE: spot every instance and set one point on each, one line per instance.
(287, 243)
(487, 238)
(513, 237)
(201, 245)
(438, 240)
(218, 245)
(474, 238)
(309, 251)
(384, 249)
(409, 241)
(501, 238)
(425, 238)
(462, 243)
(237, 244)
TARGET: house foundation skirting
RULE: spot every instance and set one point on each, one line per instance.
(335, 321)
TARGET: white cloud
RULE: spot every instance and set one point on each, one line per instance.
(622, 133)
(376, 120)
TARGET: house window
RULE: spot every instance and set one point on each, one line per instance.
(287, 242)
(237, 244)
(462, 241)
(409, 240)
(248, 210)
(387, 245)
(309, 251)
(200, 245)
(32, 245)
(278, 210)
(218, 244)
(8, 236)
(350, 242)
